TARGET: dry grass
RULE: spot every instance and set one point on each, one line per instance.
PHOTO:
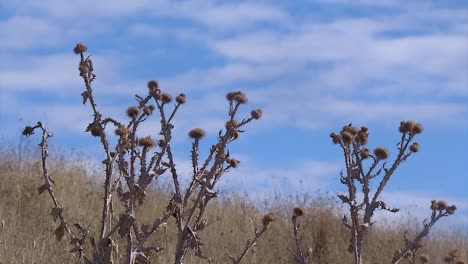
(27, 234)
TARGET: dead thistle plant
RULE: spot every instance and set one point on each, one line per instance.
(362, 166)
(133, 164)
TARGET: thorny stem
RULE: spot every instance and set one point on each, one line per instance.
(399, 255)
(250, 243)
(109, 166)
(299, 255)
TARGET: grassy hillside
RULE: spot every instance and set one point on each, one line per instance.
(27, 231)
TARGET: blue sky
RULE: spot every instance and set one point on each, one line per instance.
(312, 66)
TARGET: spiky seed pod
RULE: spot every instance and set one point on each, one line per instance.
(148, 110)
(362, 137)
(223, 156)
(83, 70)
(434, 205)
(234, 163)
(157, 96)
(197, 133)
(166, 98)
(347, 137)
(181, 98)
(80, 48)
(451, 209)
(442, 205)
(121, 131)
(414, 147)
(418, 128)
(406, 126)
(133, 111)
(96, 131)
(349, 128)
(297, 211)
(256, 114)
(162, 143)
(230, 95)
(335, 138)
(424, 259)
(381, 153)
(125, 143)
(267, 219)
(153, 85)
(237, 96)
(232, 124)
(28, 131)
(146, 142)
(364, 153)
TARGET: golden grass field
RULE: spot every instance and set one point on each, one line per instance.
(27, 231)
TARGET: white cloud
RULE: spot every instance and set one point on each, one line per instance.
(19, 32)
(302, 177)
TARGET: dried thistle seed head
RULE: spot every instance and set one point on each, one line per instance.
(28, 130)
(157, 96)
(256, 114)
(133, 111)
(434, 205)
(121, 131)
(166, 98)
(349, 128)
(147, 142)
(197, 133)
(381, 153)
(240, 98)
(335, 138)
(451, 209)
(234, 163)
(80, 48)
(223, 156)
(237, 96)
(181, 98)
(153, 85)
(96, 131)
(297, 211)
(347, 137)
(364, 153)
(406, 126)
(267, 219)
(125, 143)
(148, 110)
(231, 124)
(414, 147)
(362, 137)
(161, 143)
(442, 205)
(83, 70)
(418, 128)
(424, 259)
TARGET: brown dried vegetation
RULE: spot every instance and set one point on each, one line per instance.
(137, 220)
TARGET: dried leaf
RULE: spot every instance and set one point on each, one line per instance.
(126, 221)
(85, 96)
(41, 189)
(343, 198)
(60, 232)
(56, 211)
